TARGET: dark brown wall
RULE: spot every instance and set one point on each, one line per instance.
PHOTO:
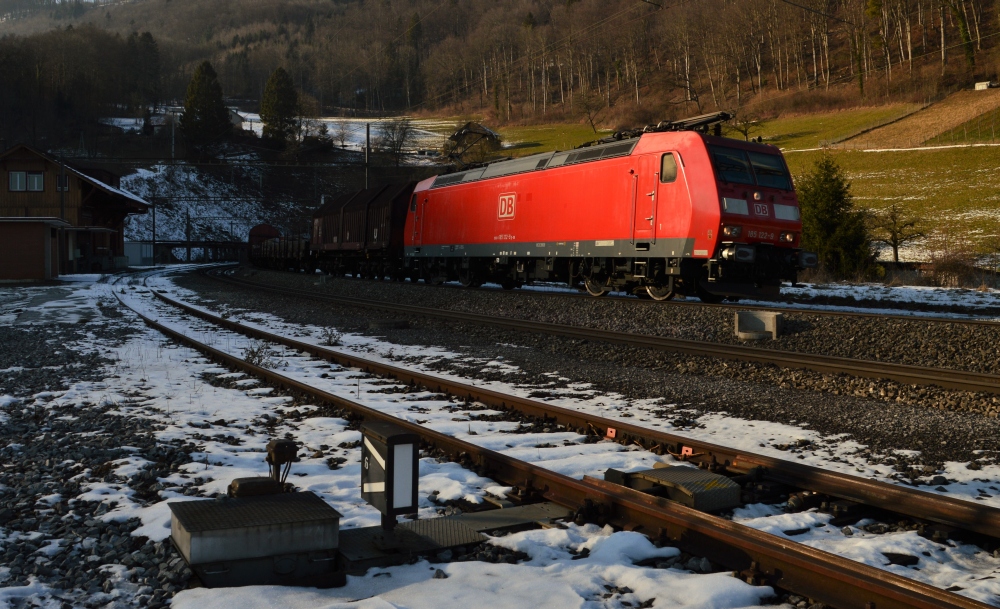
(22, 251)
(36, 204)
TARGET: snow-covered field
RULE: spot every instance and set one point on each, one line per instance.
(155, 379)
(353, 130)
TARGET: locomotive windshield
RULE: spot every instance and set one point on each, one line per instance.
(741, 167)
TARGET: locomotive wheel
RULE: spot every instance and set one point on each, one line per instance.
(508, 284)
(468, 279)
(596, 288)
(659, 293)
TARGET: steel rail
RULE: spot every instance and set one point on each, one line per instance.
(761, 558)
(936, 316)
(902, 373)
(964, 515)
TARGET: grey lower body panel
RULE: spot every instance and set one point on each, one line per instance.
(610, 248)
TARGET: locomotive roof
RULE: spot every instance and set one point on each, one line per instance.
(545, 160)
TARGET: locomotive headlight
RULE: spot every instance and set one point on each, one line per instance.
(787, 237)
(739, 253)
(733, 232)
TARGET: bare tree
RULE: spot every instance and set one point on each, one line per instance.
(395, 137)
(895, 228)
(746, 122)
(342, 133)
(592, 106)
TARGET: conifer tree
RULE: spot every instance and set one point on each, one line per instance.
(279, 107)
(831, 226)
(206, 118)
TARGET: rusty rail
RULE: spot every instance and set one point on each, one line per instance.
(759, 557)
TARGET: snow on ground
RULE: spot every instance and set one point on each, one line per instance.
(354, 130)
(217, 207)
(231, 419)
(126, 124)
(550, 579)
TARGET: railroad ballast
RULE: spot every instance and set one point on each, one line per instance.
(665, 210)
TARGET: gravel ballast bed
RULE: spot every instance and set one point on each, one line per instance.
(55, 450)
(918, 342)
(944, 425)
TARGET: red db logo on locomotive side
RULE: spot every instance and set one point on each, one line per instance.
(760, 209)
(506, 209)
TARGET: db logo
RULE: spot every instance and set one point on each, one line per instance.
(760, 209)
(506, 209)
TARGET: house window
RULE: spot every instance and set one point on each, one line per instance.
(18, 181)
(62, 183)
(36, 182)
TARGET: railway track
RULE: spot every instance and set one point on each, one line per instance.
(758, 557)
(933, 314)
(902, 373)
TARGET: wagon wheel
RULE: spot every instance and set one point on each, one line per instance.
(595, 288)
(660, 292)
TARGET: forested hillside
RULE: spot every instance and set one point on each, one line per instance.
(611, 62)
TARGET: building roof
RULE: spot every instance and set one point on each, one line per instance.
(47, 220)
(139, 204)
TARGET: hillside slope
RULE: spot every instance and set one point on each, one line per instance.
(919, 127)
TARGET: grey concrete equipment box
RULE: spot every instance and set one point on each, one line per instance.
(389, 468)
(288, 538)
(757, 325)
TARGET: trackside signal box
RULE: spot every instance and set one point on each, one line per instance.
(389, 470)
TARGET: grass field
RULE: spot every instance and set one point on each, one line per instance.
(523, 141)
(941, 117)
(956, 191)
(808, 131)
(984, 128)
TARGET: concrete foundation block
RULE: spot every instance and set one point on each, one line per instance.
(758, 325)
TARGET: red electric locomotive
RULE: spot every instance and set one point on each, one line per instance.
(672, 211)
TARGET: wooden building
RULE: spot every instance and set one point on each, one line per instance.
(83, 212)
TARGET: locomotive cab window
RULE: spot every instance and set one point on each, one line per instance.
(745, 167)
(770, 170)
(731, 165)
(668, 168)
(413, 203)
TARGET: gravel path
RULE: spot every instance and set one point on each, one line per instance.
(944, 425)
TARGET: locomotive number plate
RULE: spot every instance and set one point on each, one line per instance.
(505, 211)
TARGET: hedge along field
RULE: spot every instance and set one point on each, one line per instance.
(956, 191)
